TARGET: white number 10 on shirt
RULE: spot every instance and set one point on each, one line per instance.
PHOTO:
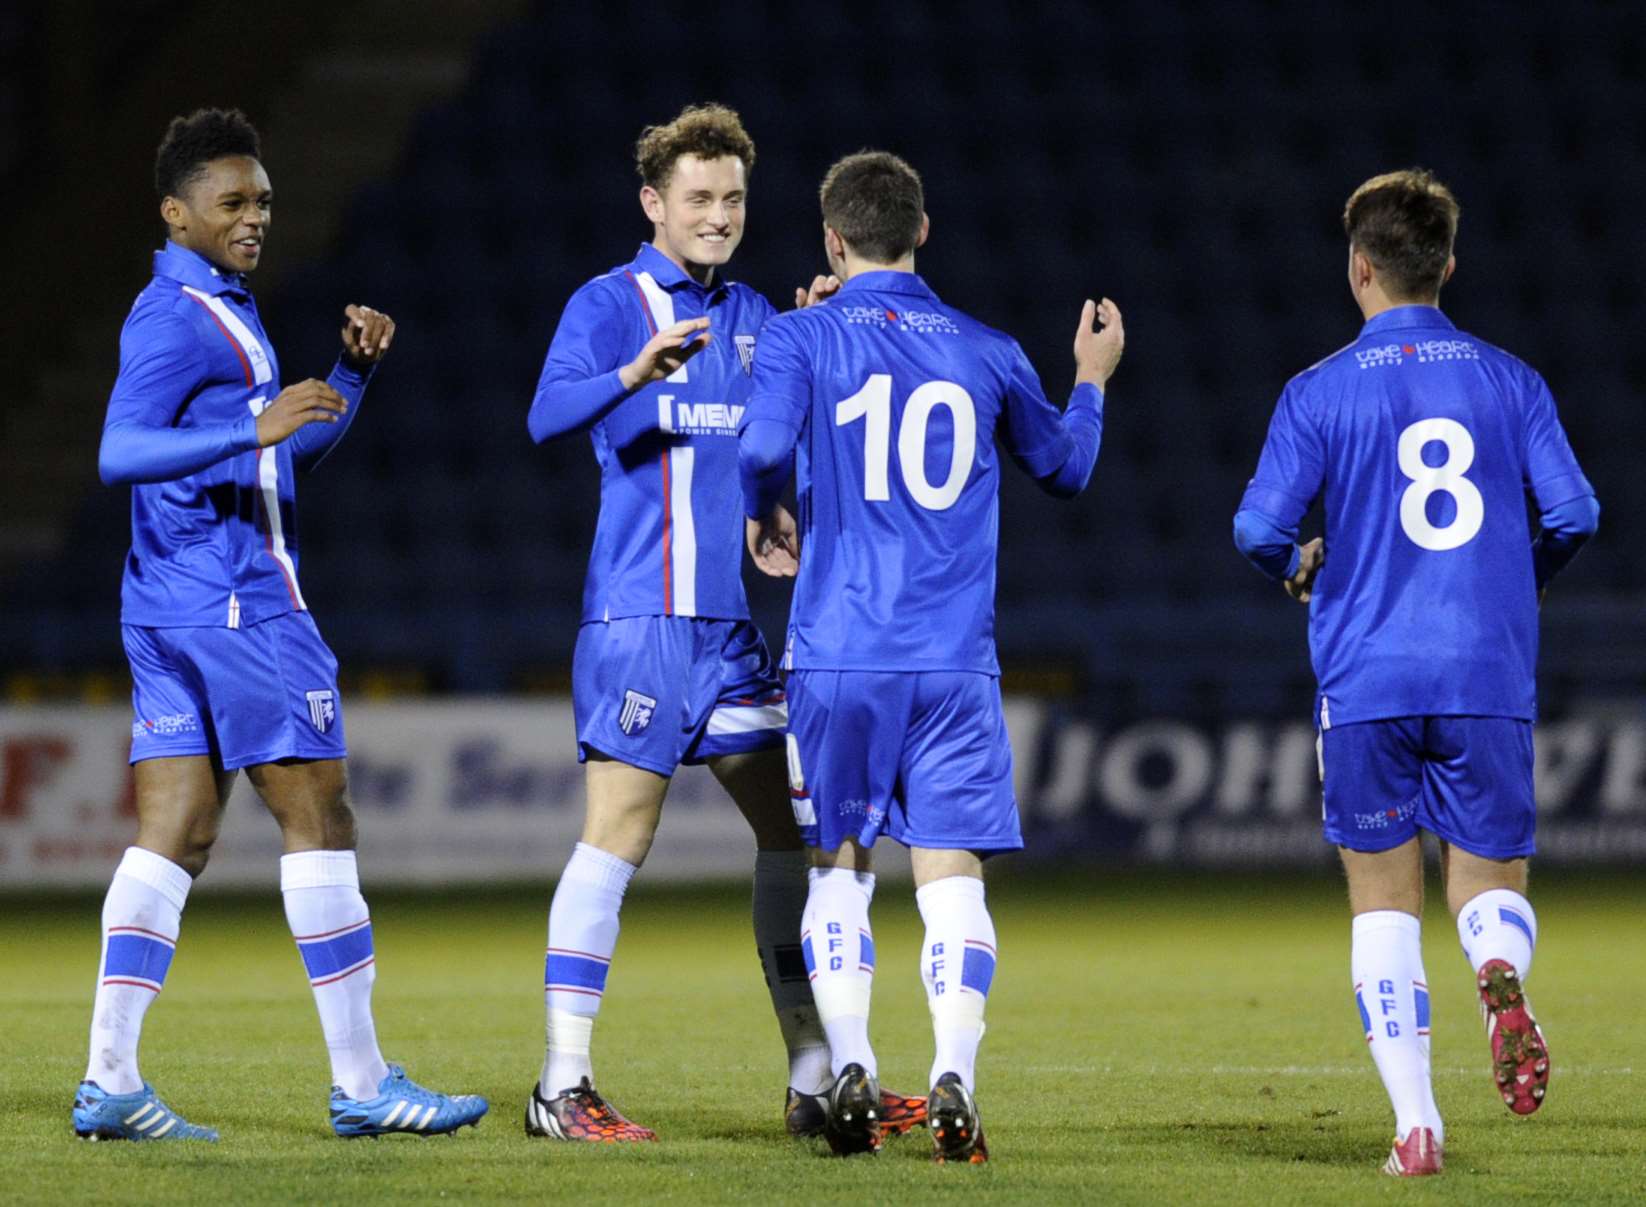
(873, 403)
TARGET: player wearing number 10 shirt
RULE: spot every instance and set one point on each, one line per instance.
(889, 403)
(1423, 443)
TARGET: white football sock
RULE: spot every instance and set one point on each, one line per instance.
(141, 917)
(780, 887)
(583, 925)
(1392, 993)
(1498, 925)
(839, 950)
(956, 966)
(329, 919)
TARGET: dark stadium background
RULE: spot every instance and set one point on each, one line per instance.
(466, 166)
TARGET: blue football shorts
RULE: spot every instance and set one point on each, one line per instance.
(920, 756)
(243, 696)
(1467, 780)
(658, 691)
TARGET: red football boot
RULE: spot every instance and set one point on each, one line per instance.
(1520, 1057)
(1417, 1156)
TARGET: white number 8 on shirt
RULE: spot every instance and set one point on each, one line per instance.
(1447, 476)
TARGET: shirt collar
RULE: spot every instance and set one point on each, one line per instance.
(670, 275)
(1401, 317)
(890, 281)
(192, 269)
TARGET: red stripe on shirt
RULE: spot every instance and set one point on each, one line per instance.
(645, 306)
(239, 352)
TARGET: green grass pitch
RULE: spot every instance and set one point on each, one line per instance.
(1151, 1040)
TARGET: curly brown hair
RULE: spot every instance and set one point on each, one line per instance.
(707, 131)
(1405, 223)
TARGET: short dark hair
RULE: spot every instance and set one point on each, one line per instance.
(706, 131)
(874, 201)
(194, 141)
(1405, 223)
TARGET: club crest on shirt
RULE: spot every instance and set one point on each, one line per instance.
(745, 352)
(322, 709)
(637, 713)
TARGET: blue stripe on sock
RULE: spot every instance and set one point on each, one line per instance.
(1420, 998)
(865, 950)
(579, 971)
(326, 956)
(811, 960)
(1365, 1019)
(1513, 918)
(137, 956)
(977, 971)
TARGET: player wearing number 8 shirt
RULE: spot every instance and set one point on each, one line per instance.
(889, 402)
(1422, 442)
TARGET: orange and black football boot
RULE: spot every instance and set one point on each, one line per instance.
(852, 1116)
(957, 1132)
(580, 1114)
(806, 1115)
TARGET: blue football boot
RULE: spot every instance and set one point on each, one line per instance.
(402, 1105)
(139, 1115)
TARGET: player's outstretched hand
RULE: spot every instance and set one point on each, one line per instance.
(307, 402)
(774, 543)
(1097, 350)
(664, 353)
(367, 334)
(1311, 558)
(822, 289)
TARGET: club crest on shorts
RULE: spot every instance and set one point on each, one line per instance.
(745, 352)
(637, 713)
(322, 709)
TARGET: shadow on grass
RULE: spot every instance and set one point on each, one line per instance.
(1305, 1140)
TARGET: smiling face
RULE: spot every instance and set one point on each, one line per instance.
(697, 217)
(223, 213)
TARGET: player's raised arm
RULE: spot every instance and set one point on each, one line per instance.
(366, 337)
(1059, 449)
(160, 368)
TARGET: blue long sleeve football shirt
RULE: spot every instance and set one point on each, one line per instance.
(214, 523)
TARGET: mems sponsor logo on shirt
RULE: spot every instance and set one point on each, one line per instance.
(698, 418)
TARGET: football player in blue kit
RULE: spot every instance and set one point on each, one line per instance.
(1422, 443)
(886, 402)
(229, 671)
(653, 360)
